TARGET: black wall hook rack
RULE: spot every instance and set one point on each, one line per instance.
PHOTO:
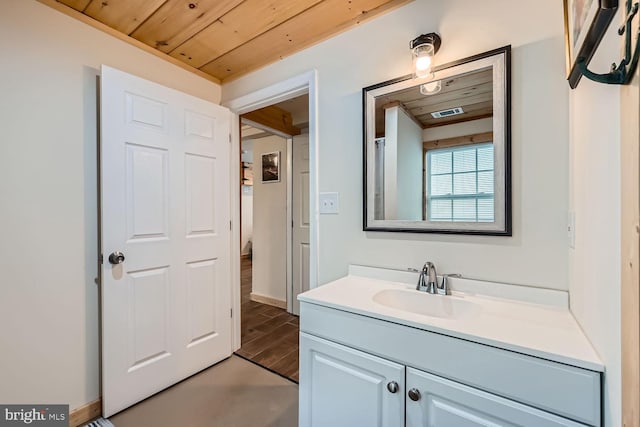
(622, 73)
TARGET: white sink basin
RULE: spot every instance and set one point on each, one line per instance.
(445, 307)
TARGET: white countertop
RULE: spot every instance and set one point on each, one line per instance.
(545, 331)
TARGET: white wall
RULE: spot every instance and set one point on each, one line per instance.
(269, 223)
(537, 253)
(390, 164)
(246, 240)
(247, 220)
(246, 216)
(403, 166)
(594, 264)
(48, 179)
(459, 129)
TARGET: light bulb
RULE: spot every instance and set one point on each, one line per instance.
(423, 63)
(423, 59)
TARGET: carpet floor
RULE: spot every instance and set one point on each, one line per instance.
(233, 393)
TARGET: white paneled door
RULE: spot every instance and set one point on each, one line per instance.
(165, 237)
(300, 217)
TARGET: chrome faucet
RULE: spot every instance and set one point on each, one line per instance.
(428, 280)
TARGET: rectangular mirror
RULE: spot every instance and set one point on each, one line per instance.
(437, 153)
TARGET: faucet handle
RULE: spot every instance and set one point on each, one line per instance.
(422, 284)
(444, 289)
(422, 280)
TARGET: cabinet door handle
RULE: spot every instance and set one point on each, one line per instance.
(414, 394)
(393, 387)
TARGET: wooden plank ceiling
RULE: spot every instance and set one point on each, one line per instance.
(473, 92)
(229, 38)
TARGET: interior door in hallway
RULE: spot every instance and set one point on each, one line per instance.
(165, 237)
(300, 217)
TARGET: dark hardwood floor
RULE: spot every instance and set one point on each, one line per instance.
(269, 334)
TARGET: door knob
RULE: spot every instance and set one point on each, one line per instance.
(414, 394)
(393, 387)
(116, 258)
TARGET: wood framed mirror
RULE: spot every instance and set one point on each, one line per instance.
(437, 152)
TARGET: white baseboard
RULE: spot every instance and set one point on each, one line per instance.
(268, 300)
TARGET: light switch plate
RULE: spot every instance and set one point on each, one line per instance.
(329, 203)
(571, 229)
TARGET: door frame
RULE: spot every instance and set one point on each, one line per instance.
(295, 86)
(289, 220)
(630, 253)
(289, 205)
(288, 161)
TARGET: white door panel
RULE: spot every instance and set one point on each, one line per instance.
(165, 205)
(343, 387)
(301, 218)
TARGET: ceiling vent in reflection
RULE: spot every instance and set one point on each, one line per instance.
(446, 113)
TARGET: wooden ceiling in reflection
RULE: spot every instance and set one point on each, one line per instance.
(473, 92)
(225, 39)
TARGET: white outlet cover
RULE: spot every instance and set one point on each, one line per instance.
(329, 203)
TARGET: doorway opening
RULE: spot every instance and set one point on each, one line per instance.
(274, 232)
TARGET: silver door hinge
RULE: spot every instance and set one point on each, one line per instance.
(229, 138)
(230, 225)
(231, 312)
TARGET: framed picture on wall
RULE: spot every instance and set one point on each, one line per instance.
(271, 167)
(585, 23)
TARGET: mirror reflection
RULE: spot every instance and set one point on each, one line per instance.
(436, 151)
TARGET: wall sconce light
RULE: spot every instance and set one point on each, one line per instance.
(423, 49)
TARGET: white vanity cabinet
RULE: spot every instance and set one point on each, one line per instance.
(358, 371)
(344, 387)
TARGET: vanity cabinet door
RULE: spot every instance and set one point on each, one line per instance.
(436, 402)
(343, 387)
